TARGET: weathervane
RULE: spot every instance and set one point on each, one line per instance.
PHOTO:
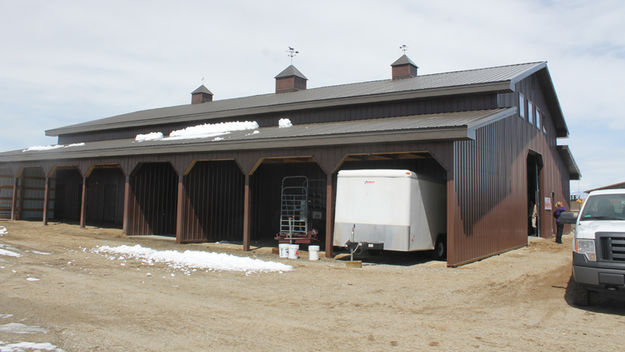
(403, 48)
(292, 52)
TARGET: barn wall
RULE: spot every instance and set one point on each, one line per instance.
(68, 191)
(105, 197)
(489, 207)
(213, 208)
(153, 200)
(31, 194)
(7, 180)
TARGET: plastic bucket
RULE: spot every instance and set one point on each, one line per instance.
(313, 252)
(293, 251)
(284, 250)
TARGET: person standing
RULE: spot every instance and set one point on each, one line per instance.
(559, 225)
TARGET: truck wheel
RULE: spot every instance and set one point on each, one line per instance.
(440, 247)
(581, 296)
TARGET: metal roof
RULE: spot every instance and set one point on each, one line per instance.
(501, 78)
(202, 89)
(290, 71)
(403, 60)
(569, 161)
(442, 126)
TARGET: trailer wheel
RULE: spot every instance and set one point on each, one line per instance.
(440, 247)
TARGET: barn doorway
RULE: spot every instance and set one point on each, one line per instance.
(267, 188)
(534, 192)
(68, 192)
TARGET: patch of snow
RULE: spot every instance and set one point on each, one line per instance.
(218, 139)
(19, 328)
(194, 259)
(9, 253)
(5, 316)
(51, 147)
(28, 346)
(3, 230)
(152, 136)
(212, 129)
(38, 252)
(42, 147)
(32, 279)
(284, 123)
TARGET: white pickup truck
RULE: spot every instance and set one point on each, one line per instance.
(599, 244)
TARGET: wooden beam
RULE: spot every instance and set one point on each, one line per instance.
(14, 198)
(83, 203)
(180, 208)
(126, 218)
(46, 196)
(246, 214)
(329, 216)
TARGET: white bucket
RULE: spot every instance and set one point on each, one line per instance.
(313, 252)
(284, 250)
(293, 251)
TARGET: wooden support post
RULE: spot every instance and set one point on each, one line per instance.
(329, 216)
(14, 198)
(83, 203)
(180, 209)
(246, 214)
(126, 219)
(46, 195)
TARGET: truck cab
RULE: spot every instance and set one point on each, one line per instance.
(599, 244)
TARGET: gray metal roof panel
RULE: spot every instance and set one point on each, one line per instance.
(270, 137)
(403, 60)
(290, 71)
(202, 89)
(323, 96)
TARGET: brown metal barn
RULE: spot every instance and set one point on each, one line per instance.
(489, 133)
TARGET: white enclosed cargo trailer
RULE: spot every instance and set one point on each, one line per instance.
(395, 210)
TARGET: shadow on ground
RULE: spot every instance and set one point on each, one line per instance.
(599, 302)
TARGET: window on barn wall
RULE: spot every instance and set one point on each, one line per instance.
(530, 112)
(538, 119)
(521, 105)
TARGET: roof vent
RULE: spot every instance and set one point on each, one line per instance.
(290, 80)
(404, 68)
(201, 95)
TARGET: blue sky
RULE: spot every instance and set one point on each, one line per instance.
(65, 62)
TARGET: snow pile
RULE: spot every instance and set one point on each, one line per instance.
(3, 230)
(193, 259)
(153, 136)
(284, 123)
(28, 346)
(212, 129)
(200, 131)
(19, 328)
(32, 279)
(50, 147)
(9, 253)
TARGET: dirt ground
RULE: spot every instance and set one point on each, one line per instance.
(516, 301)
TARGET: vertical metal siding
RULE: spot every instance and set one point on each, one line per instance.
(490, 183)
(153, 200)
(105, 197)
(214, 203)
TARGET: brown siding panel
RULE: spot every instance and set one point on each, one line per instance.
(214, 207)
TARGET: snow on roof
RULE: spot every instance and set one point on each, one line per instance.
(194, 259)
(200, 131)
(50, 147)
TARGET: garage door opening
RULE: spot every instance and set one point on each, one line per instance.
(68, 193)
(105, 197)
(214, 207)
(153, 200)
(267, 212)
